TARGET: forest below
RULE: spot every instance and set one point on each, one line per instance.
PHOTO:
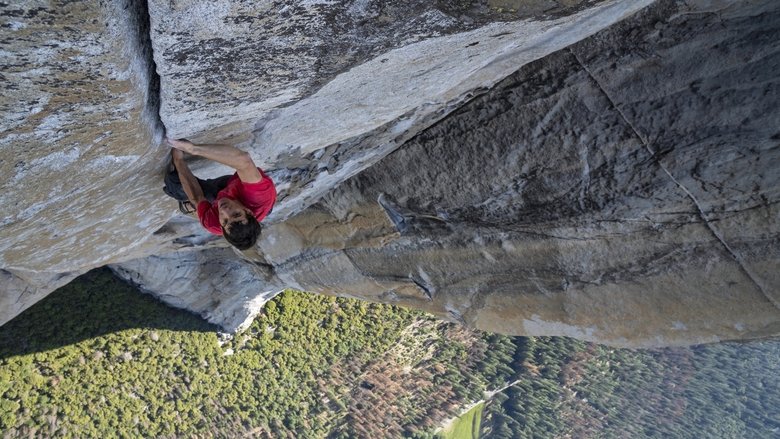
(98, 359)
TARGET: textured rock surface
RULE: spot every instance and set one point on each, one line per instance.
(80, 153)
(208, 282)
(621, 188)
(626, 196)
(78, 142)
(231, 62)
(79, 157)
(264, 75)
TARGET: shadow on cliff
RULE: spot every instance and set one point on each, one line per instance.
(94, 304)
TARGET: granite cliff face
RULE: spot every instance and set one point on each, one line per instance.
(79, 143)
(603, 170)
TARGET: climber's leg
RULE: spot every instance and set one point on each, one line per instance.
(175, 190)
(173, 187)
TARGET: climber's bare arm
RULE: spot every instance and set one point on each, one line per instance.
(228, 155)
(188, 181)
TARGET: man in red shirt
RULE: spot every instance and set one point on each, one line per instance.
(237, 209)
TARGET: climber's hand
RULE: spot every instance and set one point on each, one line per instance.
(181, 145)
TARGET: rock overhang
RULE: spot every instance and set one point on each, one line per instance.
(329, 122)
(365, 109)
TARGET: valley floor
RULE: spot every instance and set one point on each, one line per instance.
(98, 359)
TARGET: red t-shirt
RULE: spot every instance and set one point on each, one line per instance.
(258, 197)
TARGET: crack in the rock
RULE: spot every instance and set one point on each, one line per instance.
(700, 211)
(139, 24)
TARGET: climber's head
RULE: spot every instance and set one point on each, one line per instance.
(239, 226)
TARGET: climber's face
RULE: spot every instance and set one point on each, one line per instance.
(231, 211)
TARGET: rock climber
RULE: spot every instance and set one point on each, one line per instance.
(231, 205)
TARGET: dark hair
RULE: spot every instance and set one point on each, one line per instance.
(243, 235)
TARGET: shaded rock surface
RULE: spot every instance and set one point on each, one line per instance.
(207, 282)
(620, 187)
(600, 194)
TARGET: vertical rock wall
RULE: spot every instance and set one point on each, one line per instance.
(316, 91)
(623, 190)
(620, 187)
(79, 155)
(319, 91)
